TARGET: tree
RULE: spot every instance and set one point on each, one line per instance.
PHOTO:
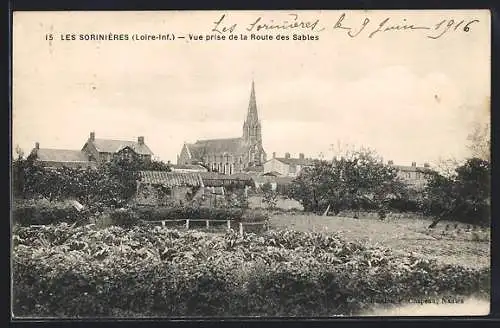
(270, 196)
(357, 179)
(479, 141)
(464, 196)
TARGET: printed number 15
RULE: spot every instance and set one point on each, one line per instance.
(49, 37)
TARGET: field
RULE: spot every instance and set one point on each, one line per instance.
(403, 235)
(66, 271)
(304, 265)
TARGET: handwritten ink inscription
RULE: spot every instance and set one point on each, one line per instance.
(353, 29)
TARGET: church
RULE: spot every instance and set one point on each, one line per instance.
(232, 155)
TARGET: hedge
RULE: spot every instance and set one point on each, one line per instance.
(39, 212)
(162, 272)
(187, 212)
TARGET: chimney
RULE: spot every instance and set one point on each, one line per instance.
(414, 164)
(140, 140)
(390, 162)
(426, 165)
(92, 136)
(37, 145)
(301, 156)
(274, 154)
(287, 155)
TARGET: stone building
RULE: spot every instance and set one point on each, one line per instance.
(414, 176)
(231, 155)
(287, 166)
(93, 152)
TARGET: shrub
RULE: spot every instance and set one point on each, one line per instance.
(161, 272)
(124, 217)
(254, 215)
(186, 212)
(44, 212)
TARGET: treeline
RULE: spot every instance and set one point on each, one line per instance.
(361, 182)
(110, 184)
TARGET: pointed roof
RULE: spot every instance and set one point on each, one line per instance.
(232, 146)
(113, 146)
(60, 155)
(252, 115)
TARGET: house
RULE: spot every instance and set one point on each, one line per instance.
(93, 152)
(230, 155)
(104, 150)
(414, 176)
(287, 166)
(60, 157)
(167, 188)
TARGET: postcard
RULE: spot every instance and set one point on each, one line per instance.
(242, 164)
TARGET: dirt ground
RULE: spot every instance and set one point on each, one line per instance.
(466, 246)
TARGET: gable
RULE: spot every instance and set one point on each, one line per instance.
(114, 146)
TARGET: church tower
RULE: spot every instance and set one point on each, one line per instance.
(252, 132)
(251, 127)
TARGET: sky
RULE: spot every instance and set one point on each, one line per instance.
(409, 97)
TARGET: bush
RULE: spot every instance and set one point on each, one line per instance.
(44, 212)
(254, 215)
(185, 212)
(124, 217)
(147, 271)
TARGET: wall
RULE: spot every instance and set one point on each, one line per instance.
(148, 195)
(90, 149)
(277, 166)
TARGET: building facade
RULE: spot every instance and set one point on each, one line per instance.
(287, 166)
(93, 152)
(230, 155)
(414, 176)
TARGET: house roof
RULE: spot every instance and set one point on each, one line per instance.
(171, 179)
(217, 179)
(113, 146)
(189, 167)
(264, 179)
(216, 147)
(295, 161)
(60, 155)
(272, 174)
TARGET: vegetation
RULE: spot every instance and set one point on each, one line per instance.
(358, 181)
(67, 271)
(270, 196)
(110, 185)
(464, 196)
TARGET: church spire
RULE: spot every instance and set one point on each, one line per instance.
(251, 127)
(252, 116)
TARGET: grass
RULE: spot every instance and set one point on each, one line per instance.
(404, 235)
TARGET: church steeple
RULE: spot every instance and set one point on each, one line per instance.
(252, 115)
(251, 127)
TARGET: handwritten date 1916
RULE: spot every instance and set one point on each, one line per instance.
(435, 31)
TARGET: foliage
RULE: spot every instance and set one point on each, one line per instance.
(187, 212)
(64, 271)
(111, 184)
(479, 142)
(39, 212)
(464, 196)
(270, 196)
(358, 181)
